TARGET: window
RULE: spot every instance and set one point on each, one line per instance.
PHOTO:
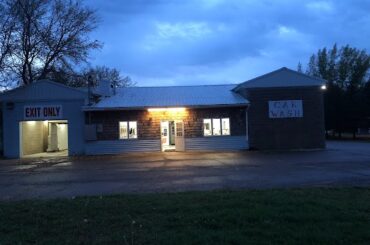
(123, 130)
(179, 129)
(216, 126)
(132, 134)
(128, 130)
(225, 126)
(207, 127)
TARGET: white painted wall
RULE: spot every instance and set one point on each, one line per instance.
(39, 94)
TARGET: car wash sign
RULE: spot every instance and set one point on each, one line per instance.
(43, 112)
(285, 109)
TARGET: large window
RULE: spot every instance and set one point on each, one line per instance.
(207, 127)
(128, 130)
(225, 125)
(216, 126)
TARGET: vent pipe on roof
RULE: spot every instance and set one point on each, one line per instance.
(114, 86)
(89, 87)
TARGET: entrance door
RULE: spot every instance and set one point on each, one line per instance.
(164, 135)
(179, 137)
(168, 136)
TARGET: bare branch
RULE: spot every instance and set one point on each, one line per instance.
(44, 35)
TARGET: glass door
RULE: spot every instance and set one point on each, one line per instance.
(179, 136)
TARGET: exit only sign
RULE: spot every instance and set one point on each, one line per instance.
(43, 112)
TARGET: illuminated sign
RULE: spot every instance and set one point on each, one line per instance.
(285, 109)
(43, 112)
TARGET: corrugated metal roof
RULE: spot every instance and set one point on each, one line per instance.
(283, 77)
(175, 96)
(43, 90)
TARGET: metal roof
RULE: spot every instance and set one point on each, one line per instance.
(43, 90)
(174, 96)
(282, 77)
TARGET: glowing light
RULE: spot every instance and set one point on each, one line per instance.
(174, 109)
(31, 122)
(323, 87)
(46, 123)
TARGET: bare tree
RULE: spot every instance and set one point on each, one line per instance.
(48, 35)
(7, 24)
(97, 74)
(103, 73)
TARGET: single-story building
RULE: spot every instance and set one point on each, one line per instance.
(281, 110)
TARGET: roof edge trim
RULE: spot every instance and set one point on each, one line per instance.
(91, 108)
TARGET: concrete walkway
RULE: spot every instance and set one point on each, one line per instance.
(341, 164)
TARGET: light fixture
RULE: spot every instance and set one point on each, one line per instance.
(323, 87)
(172, 109)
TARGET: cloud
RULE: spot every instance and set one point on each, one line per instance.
(161, 42)
(320, 6)
(187, 30)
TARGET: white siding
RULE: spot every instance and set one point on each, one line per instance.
(121, 146)
(195, 144)
(216, 143)
(43, 93)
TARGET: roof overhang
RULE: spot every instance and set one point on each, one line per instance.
(279, 87)
(92, 108)
(281, 78)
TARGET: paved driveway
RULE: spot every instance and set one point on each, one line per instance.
(342, 164)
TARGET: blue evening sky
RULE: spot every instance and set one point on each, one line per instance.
(187, 42)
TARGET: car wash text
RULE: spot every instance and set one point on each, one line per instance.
(285, 108)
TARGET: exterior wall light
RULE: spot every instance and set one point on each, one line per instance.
(323, 87)
(173, 109)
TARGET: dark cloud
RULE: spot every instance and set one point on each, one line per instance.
(160, 42)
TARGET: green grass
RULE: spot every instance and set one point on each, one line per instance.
(299, 216)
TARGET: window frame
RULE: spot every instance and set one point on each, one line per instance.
(209, 121)
(128, 130)
(218, 121)
(221, 128)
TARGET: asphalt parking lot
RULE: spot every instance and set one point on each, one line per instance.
(341, 164)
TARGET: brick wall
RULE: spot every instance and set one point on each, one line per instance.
(286, 133)
(149, 122)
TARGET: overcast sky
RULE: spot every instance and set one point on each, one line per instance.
(186, 42)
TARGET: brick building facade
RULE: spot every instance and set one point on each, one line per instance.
(148, 123)
(305, 132)
(281, 110)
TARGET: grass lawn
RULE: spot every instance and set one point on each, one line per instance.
(298, 216)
